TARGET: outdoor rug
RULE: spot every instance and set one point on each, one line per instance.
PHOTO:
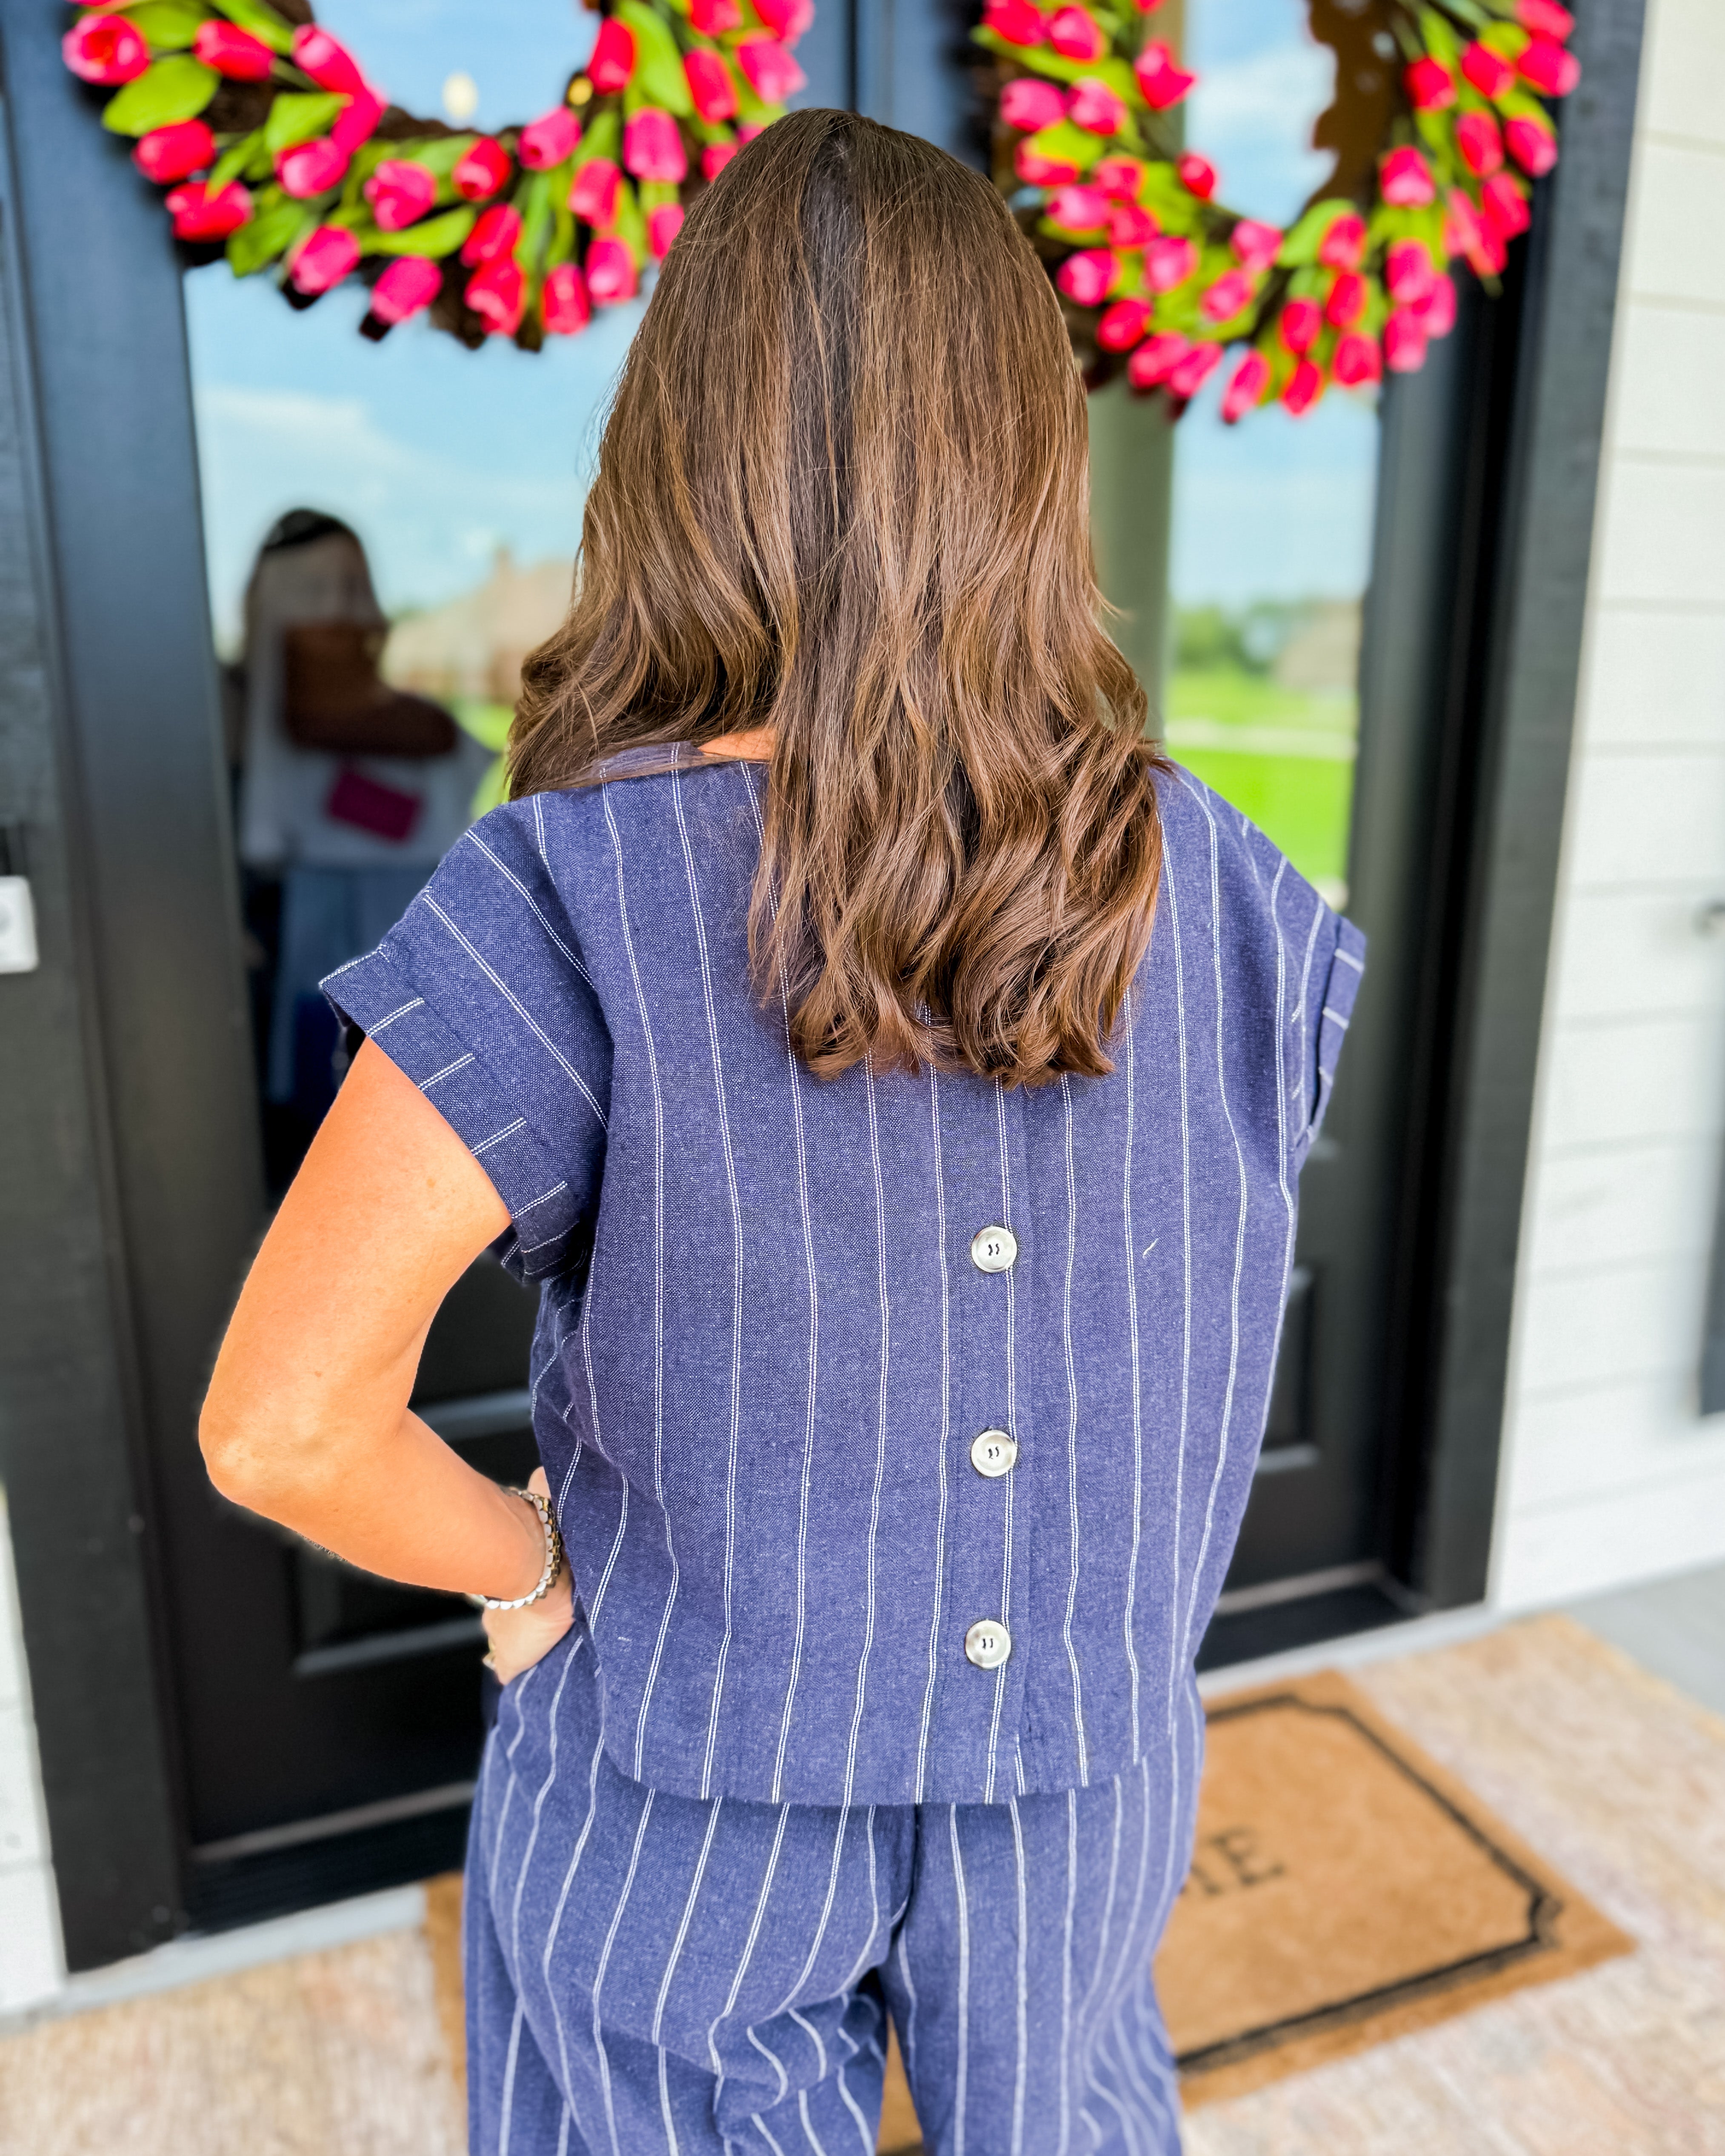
(1616, 1782)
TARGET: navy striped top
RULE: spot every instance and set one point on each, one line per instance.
(899, 1426)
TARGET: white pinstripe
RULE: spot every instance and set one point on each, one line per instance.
(1072, 1440)
(712, 1028)
(808, 2123)
(551, 1775)
(504, 869)
(1086, 2021)
(1066, 2134)
(940, 1538)
(908, 2033)
(862, 1667)
(963, 2078)
(1007, 1480)
(1021, 1983)
(852, 2107)
(521, 1731)
(682, 1938)
(748, 1952)
(599, 1980)
(1132, 1311)
(671, 1599)
(562, 1902)
(507, 2108)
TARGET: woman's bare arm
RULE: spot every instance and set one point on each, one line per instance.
(306, 1420)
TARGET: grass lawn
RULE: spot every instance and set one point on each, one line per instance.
(1301, 797)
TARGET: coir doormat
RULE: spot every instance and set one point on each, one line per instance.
(1345, 1890)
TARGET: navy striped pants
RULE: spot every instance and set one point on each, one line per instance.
(649, 1974)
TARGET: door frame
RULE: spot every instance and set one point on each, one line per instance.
(130, 1180)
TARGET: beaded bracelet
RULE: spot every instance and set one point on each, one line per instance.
(553, 1558)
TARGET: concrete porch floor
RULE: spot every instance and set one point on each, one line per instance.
(319, 2033)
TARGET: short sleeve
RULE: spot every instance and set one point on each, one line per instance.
(1338, 961)
(479, 993)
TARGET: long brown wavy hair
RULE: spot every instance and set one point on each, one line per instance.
(843, 493)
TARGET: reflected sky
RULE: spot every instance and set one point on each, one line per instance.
(1277, 508)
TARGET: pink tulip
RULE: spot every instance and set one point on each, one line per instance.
(1551, 68)
(610, 273)
(1075, 34)
(1255, 245)
(1347, 301)
(747, 130)
(1119, 178)
(712, 18)
(104, 49)
(1123, 325)
(787, 19)
(232, 52)
(1489, 72)
(1504, 206)
(1130, 224)
(1403, 342)
(1079, 209)
(311, 168)
(409, 284)
(593, 197)
(550, 140)
(714, 158)
(1545, 19)
(1156, 359)
(711, 85)
(1462, 229)
(614, 56)
(1147, 7)
(1030, 105)
(1039, 169)
(663, 226)
(1437, 310)
(497, 292)
(494, 235)
(1096, 107)
(1189, 375)
(772, 74)
(564, 306)
(1162, 80)
(1087, 278)
(1198, 175)
(1343, 246)
(1169, 263)
(1408, 271)
(1017, 21)
(1480, 141)
(399, 193)
(1532, 144)
(1304, 386)
(1430, 86)
(323, 259)
(1299, 325)
(199, 214)
(1223, 301)
(326, 60)
(1250, 378)
(1357, 360)
(174, 153)
(653, 146)
(1404, 180)
(356, 122)
(481, 170)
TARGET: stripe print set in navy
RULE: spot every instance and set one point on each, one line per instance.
(899, 1426)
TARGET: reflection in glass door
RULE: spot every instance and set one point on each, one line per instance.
(1272, 519)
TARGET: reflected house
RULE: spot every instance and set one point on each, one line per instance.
(1321, 657)
(473, 646)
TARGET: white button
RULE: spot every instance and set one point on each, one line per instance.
(993, 1453)
(988, 1643)
(993, 1250)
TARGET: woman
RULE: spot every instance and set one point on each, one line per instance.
(913, 1225)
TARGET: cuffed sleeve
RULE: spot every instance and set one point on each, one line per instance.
(479, 995)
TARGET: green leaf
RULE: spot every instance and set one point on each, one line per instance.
(297, 116)
(263, 21)
(603, 138)
(273, 228)
(1307, 236)
(493, 790)
(534, 204)
(659, 65)
(232, 164)
(488, 723)
(1070, 144)
(1441, 41)
(438, 154)
(177, 89)
(167, 26)
(435, 236)
(1176, 207)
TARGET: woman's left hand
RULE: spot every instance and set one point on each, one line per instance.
(519, 1638)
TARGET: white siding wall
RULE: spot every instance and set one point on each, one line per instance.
(30, 1967)
(1610, 1473)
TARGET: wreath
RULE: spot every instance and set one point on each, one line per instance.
(1433, 165)
(277, 151)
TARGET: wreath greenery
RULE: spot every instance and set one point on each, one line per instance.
(277, 151)
(1159, 278)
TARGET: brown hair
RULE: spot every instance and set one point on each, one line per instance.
(843, 493)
